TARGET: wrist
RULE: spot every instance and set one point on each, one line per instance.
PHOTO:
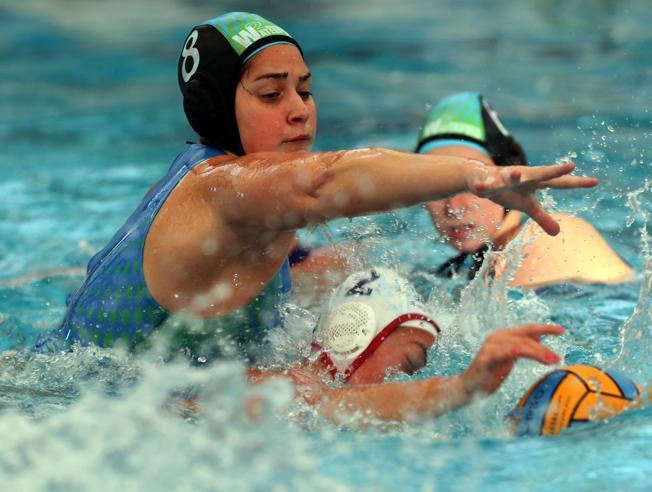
(466, 387)
(476, 172)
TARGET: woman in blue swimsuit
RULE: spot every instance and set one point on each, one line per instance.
(211, 239)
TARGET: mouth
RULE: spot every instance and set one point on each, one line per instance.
(461, 231)
(304, 137)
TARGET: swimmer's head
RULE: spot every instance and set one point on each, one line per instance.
(467, 120)
(367, 309)
(211, 62)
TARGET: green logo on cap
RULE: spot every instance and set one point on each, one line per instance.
(458, 115)
(242, 29)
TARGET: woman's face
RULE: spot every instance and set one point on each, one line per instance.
(466, 221)
(274, 107)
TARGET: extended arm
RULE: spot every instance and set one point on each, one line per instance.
(293, 190)
(231, 220)
(400, 401)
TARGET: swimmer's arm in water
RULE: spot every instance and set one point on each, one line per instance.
(401, 401)
(293, 190)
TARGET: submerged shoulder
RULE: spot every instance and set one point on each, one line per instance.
(579, 253)
(574, 231)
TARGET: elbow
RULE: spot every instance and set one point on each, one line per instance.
(316, 201)
(326, 207)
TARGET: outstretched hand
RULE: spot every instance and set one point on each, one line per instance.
(501, 350)
(514, 187)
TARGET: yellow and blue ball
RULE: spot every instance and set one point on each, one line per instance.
(572, 396)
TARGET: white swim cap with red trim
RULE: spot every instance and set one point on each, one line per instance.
(362, 312)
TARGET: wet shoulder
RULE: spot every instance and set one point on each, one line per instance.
(578, 254)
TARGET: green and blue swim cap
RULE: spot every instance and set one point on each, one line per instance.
(467, 119)
(210, 67)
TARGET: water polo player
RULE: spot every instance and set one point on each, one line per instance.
(375, 325)
(210, 240)
(464, 125)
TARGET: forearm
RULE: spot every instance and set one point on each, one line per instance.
(287, 191)
(396, 401)
(373, 180)
(389, 402)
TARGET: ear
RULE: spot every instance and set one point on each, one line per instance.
(199, 105)
(209, 114)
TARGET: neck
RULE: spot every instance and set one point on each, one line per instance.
(509, 229)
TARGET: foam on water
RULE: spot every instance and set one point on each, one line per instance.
(114, 428)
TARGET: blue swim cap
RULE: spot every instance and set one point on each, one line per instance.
(209, 70)
(467, 119)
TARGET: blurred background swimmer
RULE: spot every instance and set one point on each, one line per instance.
(465, 125)
(210, 240)
(374, 326)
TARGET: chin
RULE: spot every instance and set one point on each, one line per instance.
(466, 245)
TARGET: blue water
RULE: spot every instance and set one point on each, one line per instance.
(91, 117)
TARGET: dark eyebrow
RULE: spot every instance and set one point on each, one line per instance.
(277, 75)
(281, 76)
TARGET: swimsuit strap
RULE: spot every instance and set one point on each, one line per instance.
(455, 264)
(478, 258)
(450, 266)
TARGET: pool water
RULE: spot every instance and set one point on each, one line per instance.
(91, 117)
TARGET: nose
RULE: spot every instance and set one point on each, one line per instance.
(298, 112)
(455, 206)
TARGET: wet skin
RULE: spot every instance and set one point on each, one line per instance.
(466, 221)
(404, 350)
(274, 106)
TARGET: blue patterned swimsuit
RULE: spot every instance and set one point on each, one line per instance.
(114, 304)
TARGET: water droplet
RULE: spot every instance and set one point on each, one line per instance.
(222, 291)
(210, 246)
(341, 199)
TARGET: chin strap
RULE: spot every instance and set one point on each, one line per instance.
(455, 264)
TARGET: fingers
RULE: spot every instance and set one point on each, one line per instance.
(510, 347)
(493, 178)
(502, 349)
(514, 176)
(557, 177)
(530, 349)
(546, 173)
(536, 329)
(566, 182)
(524, 342)
(543, 218)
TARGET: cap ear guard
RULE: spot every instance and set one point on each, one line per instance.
(511, 154)
(205, 107)
(207, 75)
(198, 105)
(501, 145)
